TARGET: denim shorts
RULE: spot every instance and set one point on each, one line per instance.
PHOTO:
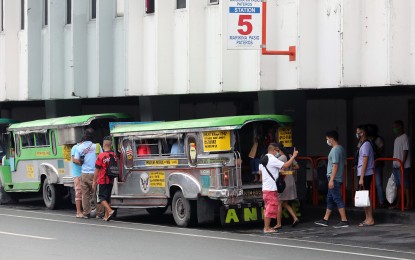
(254, 165)
(397, 175)
(334, 196)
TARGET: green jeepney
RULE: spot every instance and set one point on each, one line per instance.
(200, 168)
(38, 157)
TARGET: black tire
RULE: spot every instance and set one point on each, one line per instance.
(51, 195)
(184, 210)
(156, 212)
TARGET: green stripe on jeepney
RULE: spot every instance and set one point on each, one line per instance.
(64, 122)
(229, 122)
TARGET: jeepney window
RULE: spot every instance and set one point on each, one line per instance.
(177, 146)
(17, 138)
(28, 140)
(147, 147)
(42, 139)
(53, 139)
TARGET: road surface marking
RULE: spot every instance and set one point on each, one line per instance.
(29, 236)
(211, 237)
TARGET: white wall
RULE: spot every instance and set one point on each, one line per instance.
(340, 43)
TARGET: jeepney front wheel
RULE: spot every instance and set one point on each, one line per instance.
(184, 210)
(51, 194)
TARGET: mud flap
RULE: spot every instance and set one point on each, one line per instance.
(207, 209)
(245, 213)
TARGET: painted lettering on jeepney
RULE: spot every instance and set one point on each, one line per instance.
(30, 171)
(250, 214)
(212, 160)
(157, 180)
(216, 141)
(66, 152)
(43, 153)
(285, 136)
(161, 162)
(231, 216)
(61, 171)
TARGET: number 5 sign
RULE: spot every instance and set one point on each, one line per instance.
(244, 24)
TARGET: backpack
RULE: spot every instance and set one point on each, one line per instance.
(112, 170)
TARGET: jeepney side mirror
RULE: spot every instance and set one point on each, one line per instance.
(191, 150)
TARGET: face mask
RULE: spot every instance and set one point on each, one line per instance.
(357, 136)
(329, 143)
(396, 130)
(277, 155)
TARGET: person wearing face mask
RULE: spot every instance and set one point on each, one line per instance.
(401, 152)
(365, 169)
(335, 169)
(290, 192)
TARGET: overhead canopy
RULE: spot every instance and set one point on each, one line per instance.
(7, 121)
(215, 123)
(65, 122)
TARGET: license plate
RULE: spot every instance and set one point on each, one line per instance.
(252, 193)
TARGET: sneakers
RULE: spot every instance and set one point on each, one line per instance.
(342, 224)
(322, 222)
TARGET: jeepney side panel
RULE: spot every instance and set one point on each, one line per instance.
(31, 163)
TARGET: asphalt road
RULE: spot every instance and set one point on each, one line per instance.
(29, 231)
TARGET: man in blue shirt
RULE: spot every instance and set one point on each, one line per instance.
(76, 174)
(86, 155)
(335, 168)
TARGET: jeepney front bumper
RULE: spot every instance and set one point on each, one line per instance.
(68, 181)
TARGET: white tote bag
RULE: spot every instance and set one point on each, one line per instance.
(361, 199)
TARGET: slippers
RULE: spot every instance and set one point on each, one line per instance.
(109, 216)
(80, 215)
(270, 231)
(277, 228)
(364, 224)
(295, 223)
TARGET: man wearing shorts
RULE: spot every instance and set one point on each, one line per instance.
(101, 182)
(335, 168)
(269, 188)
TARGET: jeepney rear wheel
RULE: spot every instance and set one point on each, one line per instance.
(51, 195)
(156, 212)
(184, 211)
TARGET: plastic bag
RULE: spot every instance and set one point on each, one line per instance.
(391, 189)
(361, 199)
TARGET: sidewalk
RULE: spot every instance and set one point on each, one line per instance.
(381, 215)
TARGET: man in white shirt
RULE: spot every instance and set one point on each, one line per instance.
(269, 188)
(401, 152)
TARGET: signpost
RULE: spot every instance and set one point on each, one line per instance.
(244, 24)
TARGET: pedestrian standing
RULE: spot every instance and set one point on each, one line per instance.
(101, 182)
(76, 175)
(401, 152)
(86, 155)
(365, 168)
(379, 148)
(290, 191)
(269, 188)
(335, 169)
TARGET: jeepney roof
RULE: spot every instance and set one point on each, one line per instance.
(207, 124)
(64, 122)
